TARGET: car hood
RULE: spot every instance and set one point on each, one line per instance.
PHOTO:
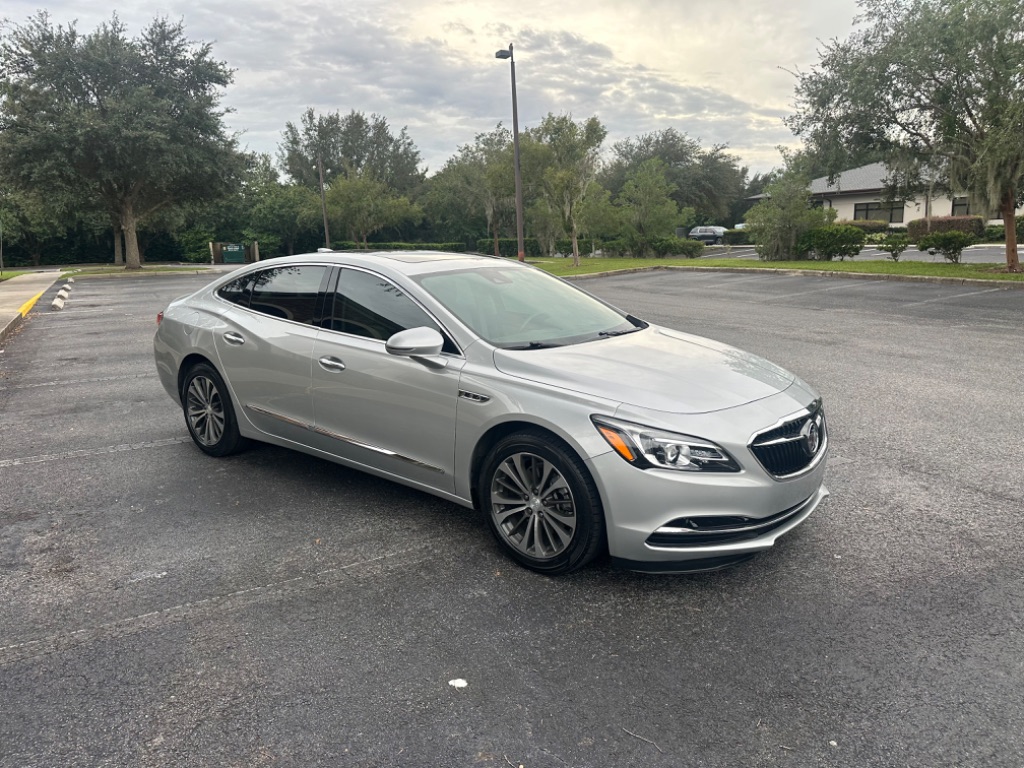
(656, 368)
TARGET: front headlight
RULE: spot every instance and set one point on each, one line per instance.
(647, 448)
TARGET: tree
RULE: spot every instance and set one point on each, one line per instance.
(573, 157)
(349, 147)
(709, 181)
(777, 223)
(27, 221)
(928, 81)
(132, 123)
(365, 206)
(648, 210)
(281, 215)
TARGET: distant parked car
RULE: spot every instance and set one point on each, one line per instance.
(708, 235)
(741, 226)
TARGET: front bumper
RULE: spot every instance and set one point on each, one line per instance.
(643, 509)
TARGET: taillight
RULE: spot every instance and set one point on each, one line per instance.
(159, 317)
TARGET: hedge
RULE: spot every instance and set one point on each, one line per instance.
(737, 237)
(971, 225)
(509, 247)
(348, 245)
(868, 226)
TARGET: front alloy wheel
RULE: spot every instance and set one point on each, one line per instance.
(541, 503)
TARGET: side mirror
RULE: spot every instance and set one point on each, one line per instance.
(422, 343)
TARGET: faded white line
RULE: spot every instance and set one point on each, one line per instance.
(955, 296)
(92, 452)
(56, 383)
(816, 290)
(307, 581)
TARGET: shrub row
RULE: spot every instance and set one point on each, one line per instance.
(867, 226)
(971, 225)
(659, 247)
(348, 245)
(509, 247)
(997, 232)
(737, 237)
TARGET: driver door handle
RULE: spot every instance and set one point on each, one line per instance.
(331, 364)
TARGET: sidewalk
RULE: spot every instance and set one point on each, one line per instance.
(18, 295)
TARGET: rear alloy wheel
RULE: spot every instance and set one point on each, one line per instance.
(209, 414)
(541, 503)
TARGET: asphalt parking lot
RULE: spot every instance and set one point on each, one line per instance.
(163, 608)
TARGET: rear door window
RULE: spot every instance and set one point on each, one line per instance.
(289, 293)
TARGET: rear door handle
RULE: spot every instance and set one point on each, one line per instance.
(234, 338)
(332, 364)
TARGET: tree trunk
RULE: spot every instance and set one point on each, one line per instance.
(1010, 225)
(131, 239)
(497, 250)
(118, 245)
(575, 247)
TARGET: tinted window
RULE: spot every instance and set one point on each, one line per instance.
(237, 291)
(289, 293)
(370, 306)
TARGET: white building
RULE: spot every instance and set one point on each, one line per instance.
(858, 194)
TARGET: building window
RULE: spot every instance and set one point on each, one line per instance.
(890, 212)
(961, 206)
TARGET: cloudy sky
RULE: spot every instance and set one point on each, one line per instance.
(714, 70)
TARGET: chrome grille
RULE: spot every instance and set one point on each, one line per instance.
(793, 446)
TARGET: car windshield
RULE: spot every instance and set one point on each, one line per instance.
(517, 308)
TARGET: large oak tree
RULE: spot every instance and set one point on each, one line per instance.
(935, 84)
(131, 125)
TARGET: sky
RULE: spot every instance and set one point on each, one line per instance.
(719, 71)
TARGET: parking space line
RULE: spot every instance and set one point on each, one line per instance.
(143, 621)
(92, 452)
(955, 296)
(78, 381)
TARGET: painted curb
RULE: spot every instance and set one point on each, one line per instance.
(20, 317)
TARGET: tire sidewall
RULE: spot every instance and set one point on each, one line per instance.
(589, 533)
(230, 439)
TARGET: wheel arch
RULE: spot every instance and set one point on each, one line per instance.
(498, 431)
(188, 363)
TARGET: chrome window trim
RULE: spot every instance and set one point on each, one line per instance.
(405, 291)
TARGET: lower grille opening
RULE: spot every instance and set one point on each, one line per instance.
(695, 532)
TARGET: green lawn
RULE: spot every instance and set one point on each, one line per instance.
(564, 268)
(7, 274)
(121, 271)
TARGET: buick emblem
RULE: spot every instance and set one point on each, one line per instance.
(810, 436)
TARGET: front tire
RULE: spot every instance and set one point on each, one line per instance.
(209, 414)
(541, 504)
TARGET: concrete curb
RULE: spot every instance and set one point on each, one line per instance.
(966, 281)
(19, 318)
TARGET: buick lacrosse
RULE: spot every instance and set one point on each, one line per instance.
(575, 428)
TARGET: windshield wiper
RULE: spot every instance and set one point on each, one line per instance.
(535, 345)
(623, 332)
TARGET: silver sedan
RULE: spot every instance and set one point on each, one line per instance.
(576, 428)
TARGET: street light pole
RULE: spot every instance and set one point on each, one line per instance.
(323, 199)
(507, 54)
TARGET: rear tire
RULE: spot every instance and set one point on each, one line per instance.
(541, 503)
(209, 413)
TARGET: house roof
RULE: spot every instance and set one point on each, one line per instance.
(864, 179)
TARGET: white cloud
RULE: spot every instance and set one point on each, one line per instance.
(712, 70)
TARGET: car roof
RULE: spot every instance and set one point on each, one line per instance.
(403, 262)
